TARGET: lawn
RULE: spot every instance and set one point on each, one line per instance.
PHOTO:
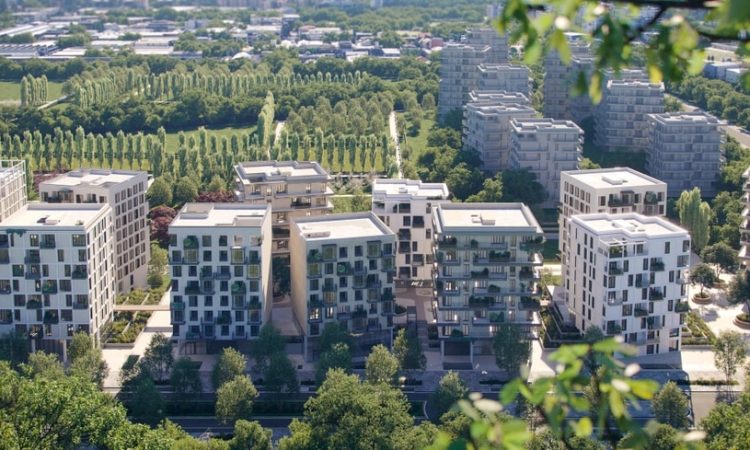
(11, 90)
(173, 142)
(418, 143)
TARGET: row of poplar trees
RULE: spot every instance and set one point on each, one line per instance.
(33, 90)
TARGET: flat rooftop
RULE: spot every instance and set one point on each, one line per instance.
(615, 177)
(220, 215)
(684, 118)
(488, 217)
(261, 171)
(497, 97)
(341, 226)
(542, 125)
(409, 188)
(11, 167)
(631, 225)
(92, 177)
(493, 109)
(55, 215)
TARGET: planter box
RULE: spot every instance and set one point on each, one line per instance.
(702, 300)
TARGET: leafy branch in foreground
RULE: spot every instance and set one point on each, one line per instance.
(568, 415)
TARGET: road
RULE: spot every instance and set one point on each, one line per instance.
(277, 133)
(392, 126)
(731, 130)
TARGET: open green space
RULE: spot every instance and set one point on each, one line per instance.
(172, 142)
(11, 90)
(418, 143)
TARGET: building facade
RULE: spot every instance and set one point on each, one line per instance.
(505, 77)
(220, 261)
(620, 119)
(486, 273)
(57, 275)
(559, 102)
(459, 74)
(487, 130)
(613, 190)
(343, 269)
(293, 189)
(546, 147)
(745, 224)
(125, 192)
(12, 187)
(628, 276)
(405, 206)
(488, 37)
(685, 151)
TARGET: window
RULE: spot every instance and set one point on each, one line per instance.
(206, 241)
(222, 241)
(358, 250)
(666, 248)
(79, 240)
(176, 271)
(343, 252)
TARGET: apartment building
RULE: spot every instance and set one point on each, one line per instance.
(488, 37)
(486, 272)
(497, 97)
(58, 268)
(405, 206)
(12, 187)
(292, 188)
(504, 77)
(487, 130)
(745, 224)
(685, 151)
(125, 192)
(628, 277)
(620, 120)
(342, 272)
(613, 190)
(546, 147)
(559, 102)
(459, 74)
(220, 258)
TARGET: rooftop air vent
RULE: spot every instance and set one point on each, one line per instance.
(612, 180)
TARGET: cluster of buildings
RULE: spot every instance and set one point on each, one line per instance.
(682, 149)
(67, 257)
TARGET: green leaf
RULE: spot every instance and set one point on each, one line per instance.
(644, 389)
(510, 391)
(584, 427)
(607, 346)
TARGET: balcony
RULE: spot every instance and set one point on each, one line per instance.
(192, 336)
(501, 276)
(47, 244)
(480, 301)
(190, 243)
(613, 329)
(222, 276)
(527, 274)
(238, 303)
(625, 200)
(33, 275)
(642, 282)
(655, 294)
(51, 317)
(79, 274)
(448, 259)
(34, 304)
(448, 242)
(343, 315)
(80, 305)
(314, 256)
(681, 307)
(206, 273)
(654, 323)
(253, 305)
(315, 318)
(657, 266)
(331, 287)
(359, 313)
(615, 270)
(238, 288)
(534, 245)
(640, 312)
(193, 289)
(32, 259)
(485, 273)
(223, 320)
(344, 268)
(49, 288)
(529, 304)
(404, 235)
(208, 320)
(177, 306)
(650, 198)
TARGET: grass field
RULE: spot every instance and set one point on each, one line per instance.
(418, 143)
(173, 141)
(10, 90)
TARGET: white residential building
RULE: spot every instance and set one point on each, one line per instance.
(685, 151)
(405, 206)
(745, 224)
(220, 257)
(293, 189)
(487, 131)
(459, 74)
(482, 37)
(125, 192)
(342, 272)
(505, 77)
(57, 275)
(621, 118)
(559, 78)
(614, 190)
(546, 147)
(628, 276)
(486, 272)
(12, 187)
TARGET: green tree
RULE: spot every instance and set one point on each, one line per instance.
(381, 366)
(721, 254)
(160, 193)
(521, 186)
(492, 191)
(185, 190)
(45, 365)
(695, 215)
(727, 425)
(14, 348)
(230, 365)
(280, 374)
(349, 414)
(185, 378)
(729, 353)
(739, 289)
(146, 404)
(450, 390)
(333, 334)
(512, 348)
(337, 357)
(408, 351)
(80, 344)
(86, 359)
(250, 436)
(234, 399)
(157, 359)
(269, 341)
(670, 406)
(704, 275)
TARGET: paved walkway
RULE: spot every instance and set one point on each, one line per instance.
(159, 322)
(393, 127)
